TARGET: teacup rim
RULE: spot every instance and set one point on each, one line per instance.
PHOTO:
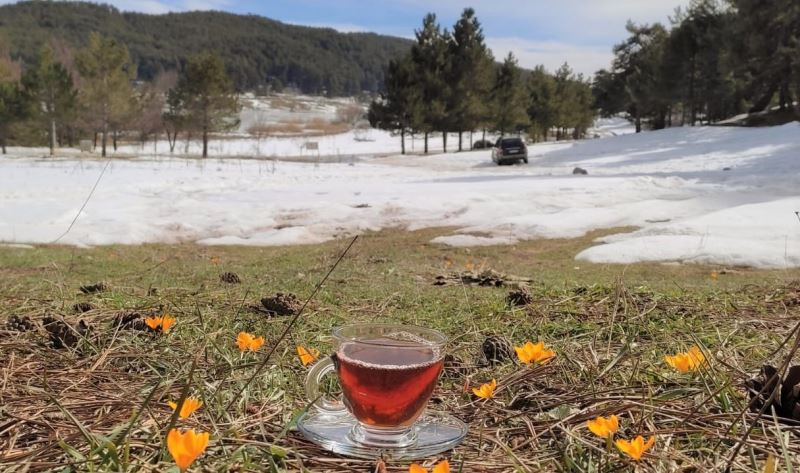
(433, 337)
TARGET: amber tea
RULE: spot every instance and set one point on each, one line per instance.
(386, 383)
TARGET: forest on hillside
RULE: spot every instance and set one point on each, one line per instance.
(715, 59)
(259, 53)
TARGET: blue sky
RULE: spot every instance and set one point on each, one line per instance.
(547, 32)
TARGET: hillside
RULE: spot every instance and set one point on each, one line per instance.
(258, 51)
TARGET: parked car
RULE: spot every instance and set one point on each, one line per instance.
(482, 144)
(509, 150)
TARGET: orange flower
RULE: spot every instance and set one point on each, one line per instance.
(307, 356)
(486, 391)
(688, 361)
(190, 404)
(604, 427)
(635, 448)
(248, 341)
(530, 353)
(185, 447)
(153, 322)
(244, 340)
(256, 343)
(167, 322)
(442, 467)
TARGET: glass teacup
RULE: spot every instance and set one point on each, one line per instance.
(387, 374)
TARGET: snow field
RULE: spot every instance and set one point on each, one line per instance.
(708, 195)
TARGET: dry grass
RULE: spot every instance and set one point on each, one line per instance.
(313, 127)
(100, 405)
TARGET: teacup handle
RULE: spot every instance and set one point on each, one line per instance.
(322, 401)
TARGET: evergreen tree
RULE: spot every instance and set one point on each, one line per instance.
(696, 63)
(429, 56)
(470, 75)
(768, 34)
(541, 103)
(12, 103)
(206, 96)
(106, 73)
(609, 93)
(174, 118)
(509, 98)
(399, 106)
(638, 64)
(12, 110)
(49, 87)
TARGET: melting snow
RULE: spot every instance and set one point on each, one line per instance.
(710, 195)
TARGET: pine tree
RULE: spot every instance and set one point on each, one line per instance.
(541, 103)
(470, 75)
(768, 34)
(12, 104)
(509, 98)
(429, 56)
(696, 70)
(638, 64)
(206, 96)
(106, 72)
(609, 93)
(49, 87)
(399, 106)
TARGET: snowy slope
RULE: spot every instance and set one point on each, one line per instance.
(672, 184)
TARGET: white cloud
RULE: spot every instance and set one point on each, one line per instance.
(552, 54)
(566, 20)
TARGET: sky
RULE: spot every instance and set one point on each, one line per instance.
(548, 32)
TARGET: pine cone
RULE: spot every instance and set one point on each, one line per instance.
(230, 278)
(496, 349)
(281, 304)
(130, 321)
(93, 288)
(82, 307)
(519, 298)
(19, 324)
(62, 334)
(786, 402)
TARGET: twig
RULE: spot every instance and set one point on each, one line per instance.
(290, 325)
(97, 182)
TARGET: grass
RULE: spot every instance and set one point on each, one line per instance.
(101, 404)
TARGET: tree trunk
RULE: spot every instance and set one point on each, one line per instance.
(460, 135)
(484, 134)
(172, 139)
(402, 141)
(470, 140)
(114, 139)
(104, 138)
(3, 144)
(692, 103)
(444, 141)
(94, 145)
(205, 132)
(638, 123)
(52, 136)
(426, 142)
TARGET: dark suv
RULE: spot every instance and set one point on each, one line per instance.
(509, 150)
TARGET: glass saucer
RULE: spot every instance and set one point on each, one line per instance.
(436, 432)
